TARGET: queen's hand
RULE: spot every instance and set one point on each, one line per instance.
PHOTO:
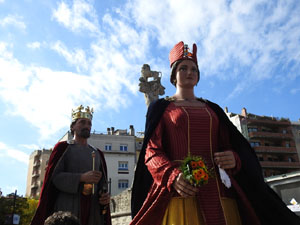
(183, 188)
(225, 160)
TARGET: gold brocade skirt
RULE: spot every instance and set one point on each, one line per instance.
(186, 211)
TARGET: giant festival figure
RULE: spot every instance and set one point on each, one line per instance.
(195, 167)
(76, 177)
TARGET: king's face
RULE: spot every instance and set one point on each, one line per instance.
(82, 127)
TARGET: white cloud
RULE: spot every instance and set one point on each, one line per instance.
(13, 20)
(34, 45)
(256, 37)
(122, 34)
(76, 58)
(6, 151)
(239, 37)
(44, 97)
(4, 52)
(79, 17)
(31, 147)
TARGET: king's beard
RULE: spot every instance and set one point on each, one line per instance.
(84, 133)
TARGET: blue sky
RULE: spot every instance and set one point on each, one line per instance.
(55, 55)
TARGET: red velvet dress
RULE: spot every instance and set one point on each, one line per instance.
(178, 128)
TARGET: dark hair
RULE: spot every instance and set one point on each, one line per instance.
(71, 125)
(173, 71)
(62, 218)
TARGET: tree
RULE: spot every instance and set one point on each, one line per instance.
(24, 207)
(29, 212)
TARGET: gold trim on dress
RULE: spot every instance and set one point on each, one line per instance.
(189, 152)
(172, 99)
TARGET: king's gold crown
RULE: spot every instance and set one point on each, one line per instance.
(81, 112)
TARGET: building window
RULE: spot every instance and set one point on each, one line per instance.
(290, 159)
(284, 131)
(254, 144)
(123, 148)
(287, 144)
(107, 147)
(270, 159)
(123, 184)
(260, 157)
(252, 129)
(123, 167)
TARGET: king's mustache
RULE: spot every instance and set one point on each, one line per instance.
(85, 130)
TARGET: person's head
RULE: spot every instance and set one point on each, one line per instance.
(81, 127)
(62, 218)
(179, 53)
(81, 122)
(186, 74)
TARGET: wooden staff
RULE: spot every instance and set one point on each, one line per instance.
(93, 157)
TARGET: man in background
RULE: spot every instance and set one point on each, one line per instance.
(62, 218)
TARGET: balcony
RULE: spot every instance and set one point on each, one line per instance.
(37, 163)
(270, 135)
(286, 165)
(34, 185)
(274, 149)
(35, 175)
(274, 122)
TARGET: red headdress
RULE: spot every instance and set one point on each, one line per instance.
(181, 51)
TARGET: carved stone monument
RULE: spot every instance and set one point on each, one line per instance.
(151, 88)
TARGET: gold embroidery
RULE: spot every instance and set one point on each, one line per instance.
(212, 159)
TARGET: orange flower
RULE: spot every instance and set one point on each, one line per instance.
(201, 172)
(205, 176)
(197, 175)
(200, 163)
(194, 164)
(195, 171)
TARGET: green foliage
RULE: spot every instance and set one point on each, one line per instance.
(28, 212)
(5, 208)
(195, 171)
(23, 207)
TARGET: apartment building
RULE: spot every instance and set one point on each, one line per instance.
(119, 148)
(38, 162)
(296, 133)
(271, 138)
(139, 138)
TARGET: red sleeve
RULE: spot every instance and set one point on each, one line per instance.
(224, 145)
(161, 168)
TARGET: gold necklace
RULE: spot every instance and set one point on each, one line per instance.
(186, 99)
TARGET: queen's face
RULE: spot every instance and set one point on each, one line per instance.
(186, 74)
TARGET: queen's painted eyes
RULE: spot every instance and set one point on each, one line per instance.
(184, 68)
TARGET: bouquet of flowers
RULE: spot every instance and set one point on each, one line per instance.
(195, 171)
